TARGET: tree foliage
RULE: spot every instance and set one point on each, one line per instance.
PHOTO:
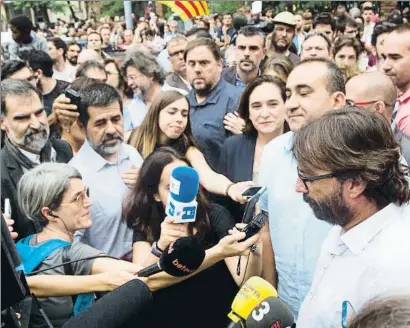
(112, 8)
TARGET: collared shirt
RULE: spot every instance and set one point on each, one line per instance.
(403, 113)
(38, 43)
(239, 83)
(134, 113)
(35, 158)
(369, 260)
(207, 119)
(108, 233)
(296, 233)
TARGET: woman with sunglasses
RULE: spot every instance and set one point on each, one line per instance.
(54, 196)
(167, 124)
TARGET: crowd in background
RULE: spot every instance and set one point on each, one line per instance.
(245, 99)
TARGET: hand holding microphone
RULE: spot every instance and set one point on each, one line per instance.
(170, 232)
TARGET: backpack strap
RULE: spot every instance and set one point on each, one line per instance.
(68, 269)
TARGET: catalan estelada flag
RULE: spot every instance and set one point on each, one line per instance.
(187, 9)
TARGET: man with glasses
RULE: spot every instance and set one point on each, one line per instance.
(145, 77)
(27, 144)
(351, 177)
(314, 87)
(108, 167)
(376, 92)
(177, 79)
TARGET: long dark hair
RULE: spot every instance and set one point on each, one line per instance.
(146, 137)
(143, 213)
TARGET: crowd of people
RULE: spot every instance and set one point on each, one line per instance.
(316, 107)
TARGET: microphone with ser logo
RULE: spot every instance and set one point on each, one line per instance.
(183, 190)
(183, 258)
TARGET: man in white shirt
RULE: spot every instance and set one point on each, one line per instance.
(350, 174)
(57, 49)
(109, 168)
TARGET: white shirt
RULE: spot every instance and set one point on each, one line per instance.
(35, 158)
(66, 75)
(370, 260)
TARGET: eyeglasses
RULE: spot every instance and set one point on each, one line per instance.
(80, 199)
(364, 103)
(318, 177)
(132, 77)
(176, 53)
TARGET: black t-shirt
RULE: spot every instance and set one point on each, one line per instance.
(49, 98)
(205, 299)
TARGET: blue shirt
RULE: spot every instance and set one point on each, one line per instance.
(108, 233)
(207, 119)
(134, 113)
(296, 233)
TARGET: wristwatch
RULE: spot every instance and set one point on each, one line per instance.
(155, 250)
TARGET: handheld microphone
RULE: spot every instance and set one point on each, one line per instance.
(271, 313)
(181, 259)
(252, 293)
(183, 188)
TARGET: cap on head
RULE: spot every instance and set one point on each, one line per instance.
(286, 18)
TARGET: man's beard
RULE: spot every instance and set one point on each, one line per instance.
(73, 61)
(249, 69)
(203, 91)
(33, 140)
(106, 150)
(279, 48)
(331, 208)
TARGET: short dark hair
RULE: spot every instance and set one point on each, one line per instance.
(390, 312)
(250, 31)
(367, 8)
(395, 17)
(95, 33)
(98, 95)
(22, 23)
(80, 83)
(11, 87)
(379, 29)
(59, 44)
(324, 19)
(11, 66)
(335, 77)
(346, 41)
(199, 32)
(210, 44)
(40, 60)
(350, 21)
(243, 108)
(73, 43)
(84, 67)
(320, 34)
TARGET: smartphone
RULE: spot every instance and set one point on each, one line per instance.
(250, 206)
(255, 225)
(7, 207)
(73, 95)
(251, 191)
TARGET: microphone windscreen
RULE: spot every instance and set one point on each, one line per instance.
(124, 307)
(271, 313)
(252, 293)
(183, 257)
(184, 184)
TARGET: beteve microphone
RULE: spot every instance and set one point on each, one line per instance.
(183, 189)
(252, 293)
(183, 258)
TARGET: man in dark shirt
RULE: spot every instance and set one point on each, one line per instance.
(212, 100)
(225, 33)
(27, 144)
(42, 67)
(282, 36)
